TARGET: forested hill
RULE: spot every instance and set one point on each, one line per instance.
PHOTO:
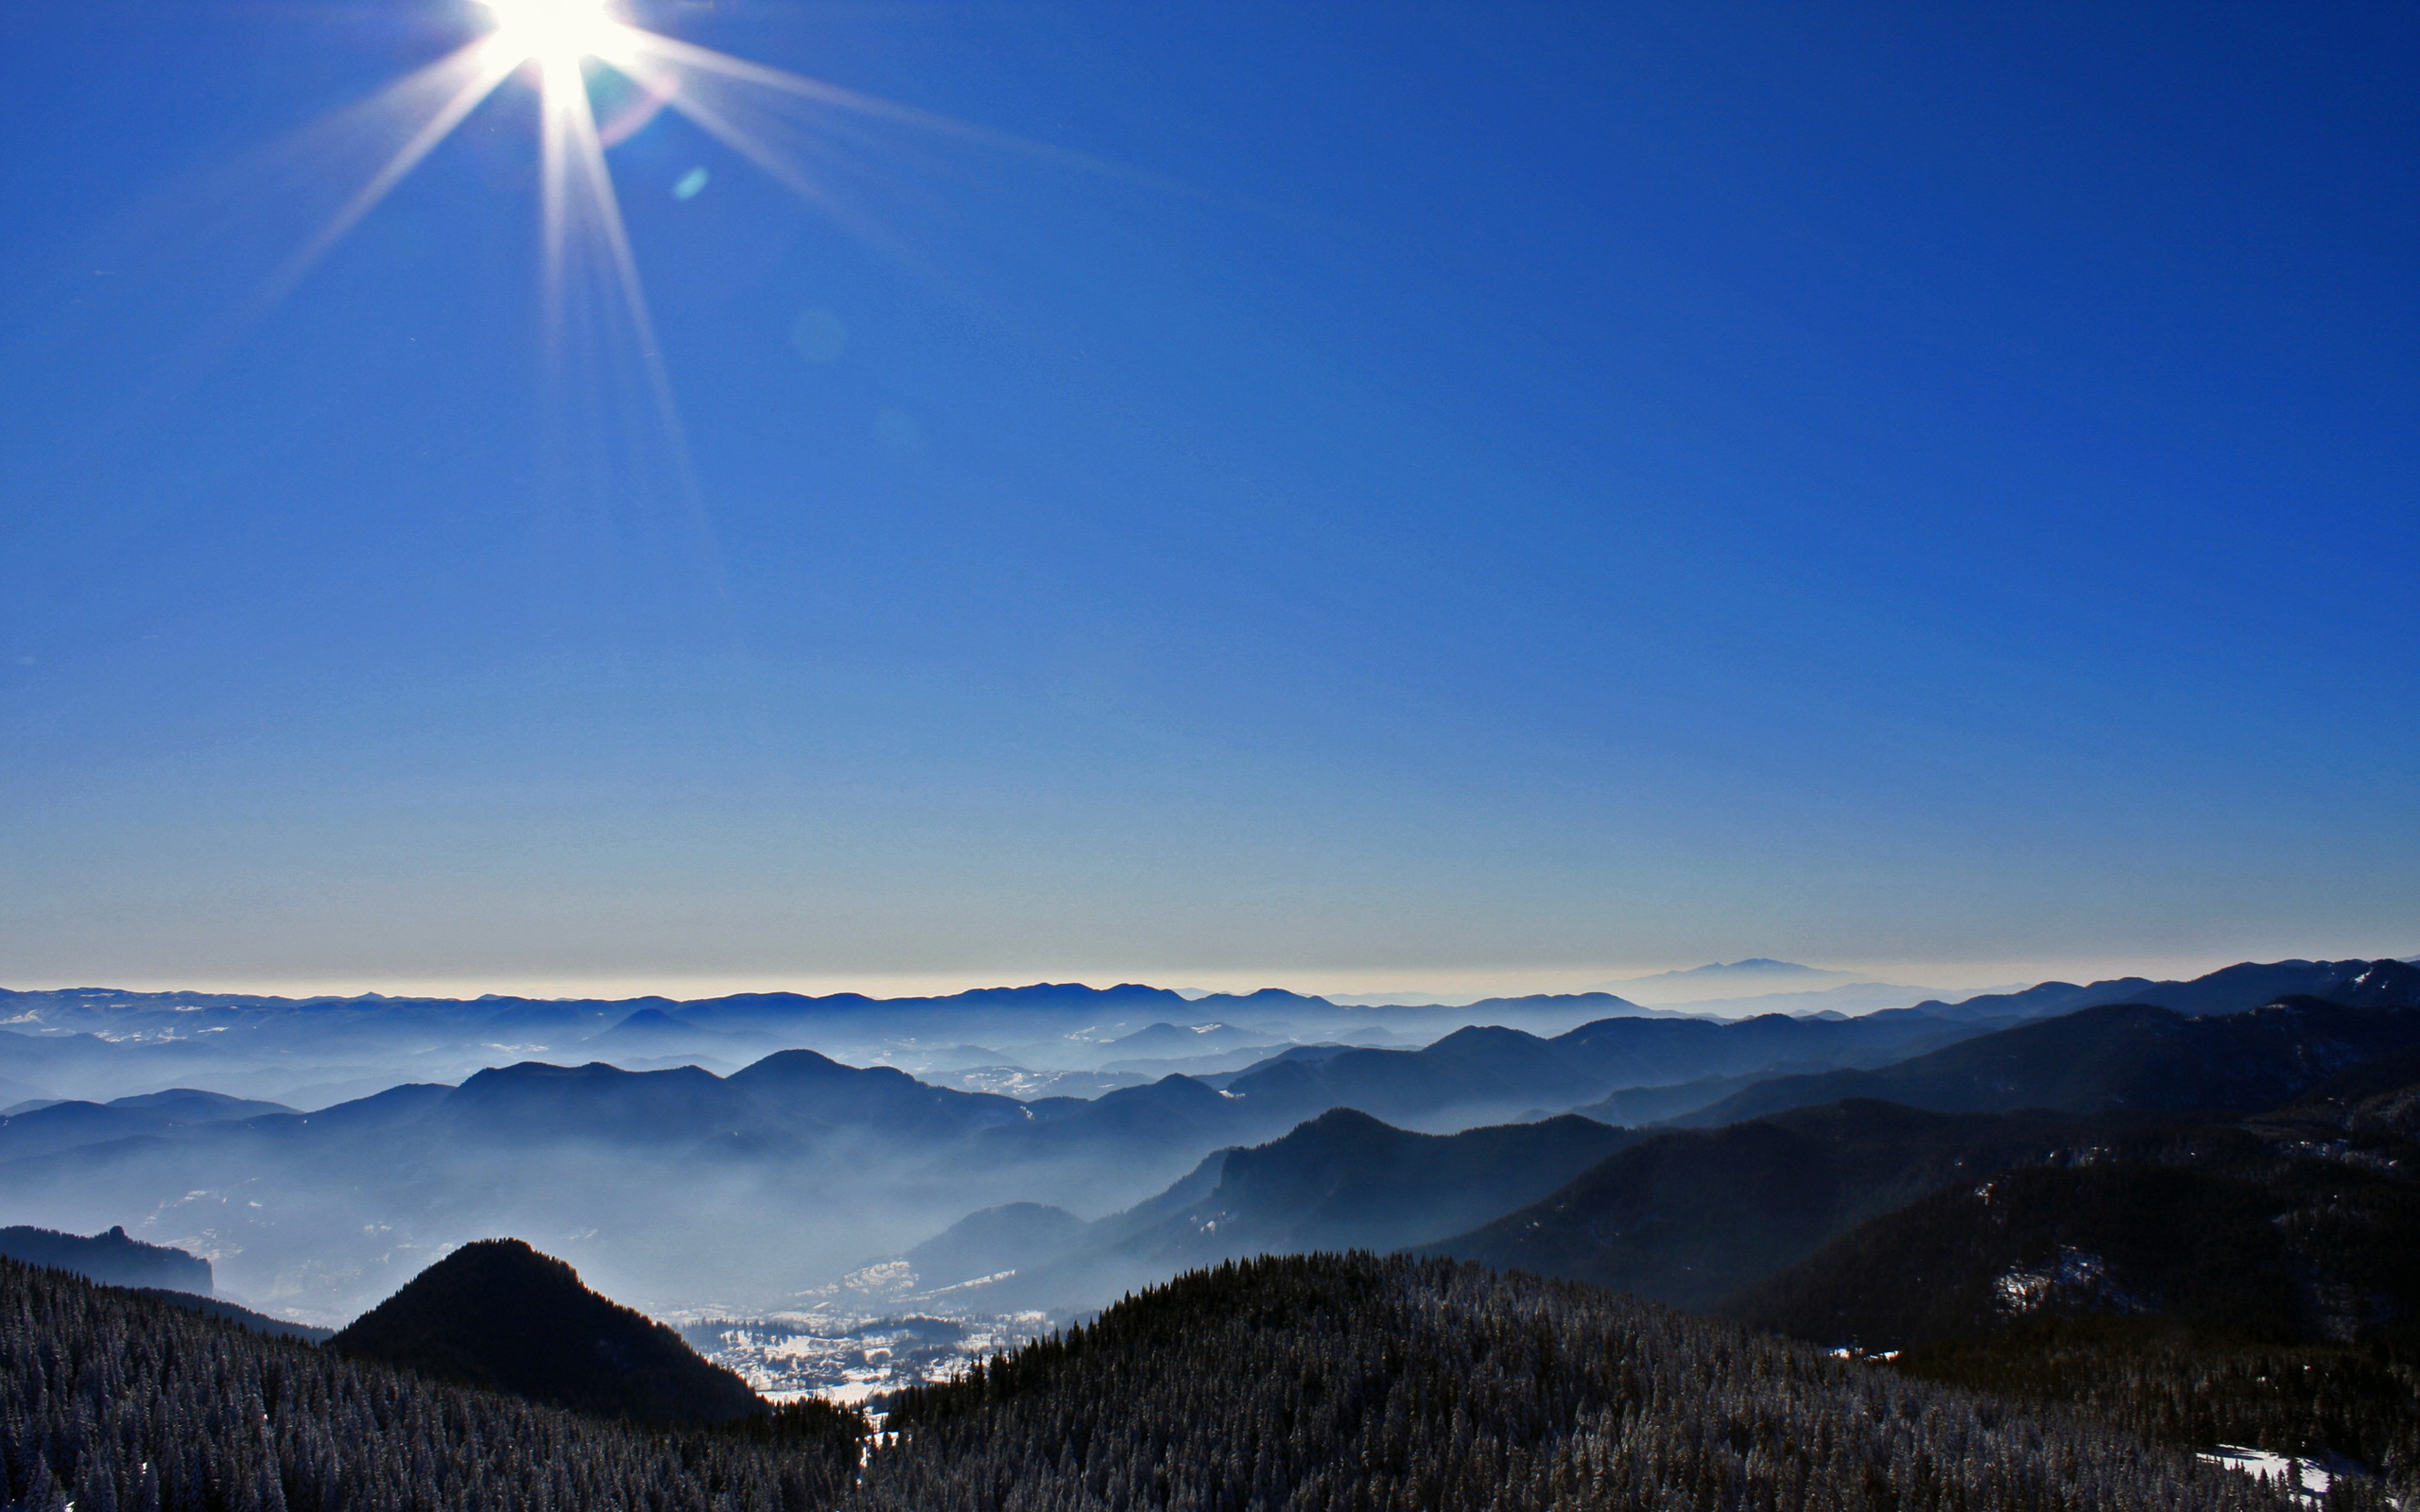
(116, 1402)
(498, 1314)
(1324, 1384)
(1317, 1383)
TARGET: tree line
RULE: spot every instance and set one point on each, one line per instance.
(1309, 1384)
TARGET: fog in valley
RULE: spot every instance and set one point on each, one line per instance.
(742, 1155)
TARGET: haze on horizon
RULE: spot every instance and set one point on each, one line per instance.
(1461, 500)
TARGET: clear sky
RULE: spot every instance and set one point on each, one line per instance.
(1475, 494)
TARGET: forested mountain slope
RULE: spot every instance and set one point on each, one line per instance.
(2249, 1281)
(1309, 1383)
(110, 1401)
(1323, 1383)
(1689, 1217)
(113, 1258)
(2281, 1250)
(2126, 1056)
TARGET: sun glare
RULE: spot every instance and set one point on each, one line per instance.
(586, 249)
(553, 31)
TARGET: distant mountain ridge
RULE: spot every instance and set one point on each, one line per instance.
(1342, 1180)
(1727, 979)
(113, 1258)
(803, 1164)
(100, 1044)
(2379, 983)
(2120, 1056)
(63, 1125)
(1759, 1181)
(1687, 1218)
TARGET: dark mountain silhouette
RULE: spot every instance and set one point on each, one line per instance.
(532, 1102)
(2245, 1282)
(776, 1103)
(1486, 1074)
(2304, 1257)
(112, 1258)
(395, 1108)
(1688, 1218)
(2296, 1224)
(802, 1086)
(2125, 1056)
(1691, 1217)
(499, 1315)
(1344, 1181)
(2383, 983)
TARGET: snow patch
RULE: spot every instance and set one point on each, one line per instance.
(2306, 1480)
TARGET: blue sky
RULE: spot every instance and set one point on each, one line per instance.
(1495, 495)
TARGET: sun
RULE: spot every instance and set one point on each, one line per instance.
(553, 31)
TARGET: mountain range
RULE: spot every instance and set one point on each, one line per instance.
(803, 1166)
(2163, 1209)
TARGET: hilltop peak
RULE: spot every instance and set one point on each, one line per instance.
(501, 1315)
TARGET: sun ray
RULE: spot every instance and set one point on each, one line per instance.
(686, 99)
(635, 43)
(567, 99)
(484, 65)
(583, 202)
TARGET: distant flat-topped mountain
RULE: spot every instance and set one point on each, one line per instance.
(1728, 979)
(499, 1315)
(112, 1258)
